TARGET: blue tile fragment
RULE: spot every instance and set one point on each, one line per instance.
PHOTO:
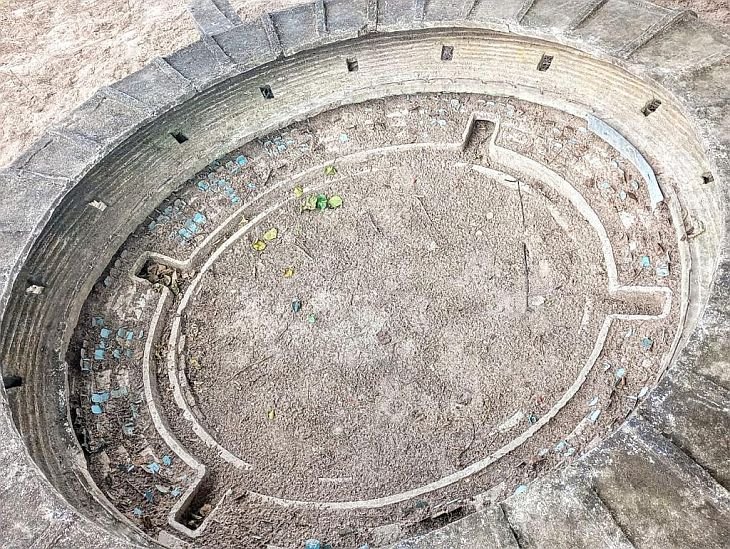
(96, 409)
(199, 218)
(203, 185)
(153, 467)
(130, 335)
(137, 512)
(149, 495)
(99, 397)
(97, 321)
(99, 354)
(644, 261)
(241, 160)
(117, 353)
(175, 492)
(105, 333)
(166, 460)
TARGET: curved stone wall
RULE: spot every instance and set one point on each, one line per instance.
(118, 149)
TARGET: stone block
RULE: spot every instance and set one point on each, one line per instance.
(58, 156)
(685, 45)
(247, 45)
(201, 64)
(481, 530)
(395, 14)
(25, 200)
(657, 494)
(445, 10)
(297, 28)
(209, 17)
(102, 119)
(346, 18)
(555, 14)
(694, 414)
(619, 22)
(153, 87)
(562, 512)
(495, 9)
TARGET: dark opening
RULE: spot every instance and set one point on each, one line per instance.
(266, 92)
(447, 53)
(707, 177)
(545, 62)
(179, 137)
(194, 514)
(11, 382)
(352, 65)
(651, 106)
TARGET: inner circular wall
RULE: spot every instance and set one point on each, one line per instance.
(135, 177)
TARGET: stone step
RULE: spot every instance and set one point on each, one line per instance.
(622, 26)
(657, 495)
(486, 529)
(563, 512)
(694, 413)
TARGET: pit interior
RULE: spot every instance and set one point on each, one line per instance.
(375, 321)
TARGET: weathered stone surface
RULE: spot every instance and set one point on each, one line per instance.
(558, 14)
(247, 45)
(657, 495)
(562, 512)
(153, 87)
(201, 64)
(694, 414)
(619, 22)
(486, 529)
(297, 27)
(213, 16)
(346, 18)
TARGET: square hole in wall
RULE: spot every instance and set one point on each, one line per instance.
(447, 53)
(651, 107)
(545, 62)
(266, 92)
(352, 65)
(707, 178)
(180, 137)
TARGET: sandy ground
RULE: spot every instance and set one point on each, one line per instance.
(432, 328)
(55, 54)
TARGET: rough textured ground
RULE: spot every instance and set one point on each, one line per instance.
(425, 339)
(55, 54)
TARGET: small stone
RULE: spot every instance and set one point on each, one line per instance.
(383, 337)
(594, 416)
(311, 318)
(296, 306)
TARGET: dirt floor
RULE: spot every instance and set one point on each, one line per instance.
(376, 345)
(54, 54)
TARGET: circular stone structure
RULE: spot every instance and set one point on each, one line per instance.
(402, 273)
